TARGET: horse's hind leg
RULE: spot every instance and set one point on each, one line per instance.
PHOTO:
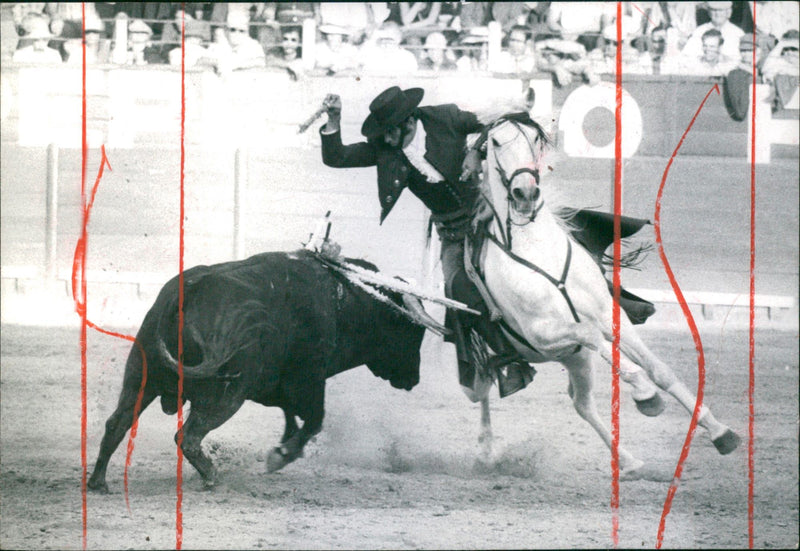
(724, 439)
(581, 378)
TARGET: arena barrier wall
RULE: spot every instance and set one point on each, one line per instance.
(254, 184)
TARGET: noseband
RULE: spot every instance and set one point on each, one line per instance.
(518, 120)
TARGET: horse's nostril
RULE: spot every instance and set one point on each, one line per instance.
(518, 194)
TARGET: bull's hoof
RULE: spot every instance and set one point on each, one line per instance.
(97, 487)
(726, 443)
(279, 457)
(652, 407)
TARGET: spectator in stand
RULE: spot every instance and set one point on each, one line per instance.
(358, 18)
(739, 81)
(603, 61)
(66, 23)
(474, 52)
(565, 59)
(98, 49)
(678, 20)
(37, 50)
(435, 57)
(518, 57)
(579, 22)
(775, 19)
(235, 50)
(141, 50)
(720, 13)
(335, 54)
(510, 14)
(415, 15)
(9, 36)
(294, 13)
(712, 62)
(385, 56)
(782, 69)
(287, 56)
(473, 15)
(196, 34)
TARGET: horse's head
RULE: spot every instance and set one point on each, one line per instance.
(515, 145)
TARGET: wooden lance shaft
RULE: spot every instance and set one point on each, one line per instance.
(310, 120)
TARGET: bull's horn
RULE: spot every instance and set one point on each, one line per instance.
(415, 306)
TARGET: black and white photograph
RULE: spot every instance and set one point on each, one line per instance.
(399, 275)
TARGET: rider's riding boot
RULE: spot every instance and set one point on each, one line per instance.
(513, 372)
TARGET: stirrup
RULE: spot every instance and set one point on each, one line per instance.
(512, 373)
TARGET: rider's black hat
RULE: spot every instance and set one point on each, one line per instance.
(390, 108)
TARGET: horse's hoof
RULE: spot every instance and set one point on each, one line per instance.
(632, 472)
(652, 407)
(726, 443)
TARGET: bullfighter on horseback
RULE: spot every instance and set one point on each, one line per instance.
(424, 149)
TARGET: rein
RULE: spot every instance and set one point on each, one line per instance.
(505, 245)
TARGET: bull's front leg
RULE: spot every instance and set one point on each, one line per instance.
(312, 410)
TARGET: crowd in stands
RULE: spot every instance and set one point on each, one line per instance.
(570, 40)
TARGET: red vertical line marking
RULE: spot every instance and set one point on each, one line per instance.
(615, 323)
(751, 358)
(82, 308)
(179, 441)
(701, 371)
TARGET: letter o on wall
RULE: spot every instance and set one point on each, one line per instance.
(578, 104)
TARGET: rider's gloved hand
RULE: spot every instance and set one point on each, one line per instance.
(333, 108)
(481, 213)
(471, 165)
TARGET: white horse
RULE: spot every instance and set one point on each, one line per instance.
(552, 293)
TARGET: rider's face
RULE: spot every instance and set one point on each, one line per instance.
(401, 135)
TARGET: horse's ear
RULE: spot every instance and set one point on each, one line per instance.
(530, 98)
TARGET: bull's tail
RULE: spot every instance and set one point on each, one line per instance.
(227, 334)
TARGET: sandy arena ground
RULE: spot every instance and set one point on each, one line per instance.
(393, 469)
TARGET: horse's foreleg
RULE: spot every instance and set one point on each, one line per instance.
(485, 435)
(662, 375)
(581, 380)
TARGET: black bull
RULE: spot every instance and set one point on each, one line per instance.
(271, 329)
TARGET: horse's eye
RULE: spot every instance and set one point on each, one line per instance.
(495, 143)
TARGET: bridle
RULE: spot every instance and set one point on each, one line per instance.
(519, 119)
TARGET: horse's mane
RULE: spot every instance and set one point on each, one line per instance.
(519, 119)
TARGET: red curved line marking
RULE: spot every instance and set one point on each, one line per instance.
(701, 371)
(137, 408)
(615, 316)
(179, 440)
(751, 354)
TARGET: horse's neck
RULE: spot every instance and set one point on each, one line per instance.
(541, 241)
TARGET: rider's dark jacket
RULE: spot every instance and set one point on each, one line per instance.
(446, 129)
